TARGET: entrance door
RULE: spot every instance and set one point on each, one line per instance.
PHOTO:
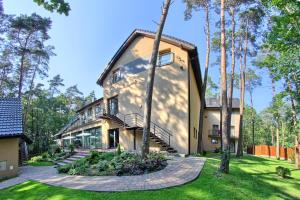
(113, 138)
(113, 106)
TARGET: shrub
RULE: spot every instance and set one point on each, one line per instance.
(64, 168)
(45, 156)
(119, 150)
(36, 159)
(71, 148)
(94, 157)
(283, 172)
(217, 150)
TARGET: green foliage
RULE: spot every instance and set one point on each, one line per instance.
(283, 172)
(59, 6)
(37, 159)
(71, 147)
(100, 163)
(64, 168)
(119, 150)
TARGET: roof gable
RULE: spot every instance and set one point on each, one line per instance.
(10, 117)
(191, 48)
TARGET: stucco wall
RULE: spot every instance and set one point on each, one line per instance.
(9, 152)
(211, 117)
(194, 112)
(170, 95)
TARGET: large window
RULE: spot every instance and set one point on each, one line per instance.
(165, 58)
(117, 75)
(113, 106)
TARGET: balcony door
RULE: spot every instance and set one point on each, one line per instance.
(113, 108)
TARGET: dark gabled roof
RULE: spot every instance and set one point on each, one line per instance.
(10, 117)
(191, 48)
(89, 104)
(215, 103)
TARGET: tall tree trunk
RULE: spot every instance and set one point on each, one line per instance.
(224, 165)
(232, 69)
(273, 95)
(297, 134)
(277, 140)
(252, 115)
(21, 77)
(242, 96)
(150, 80)
(203, 89)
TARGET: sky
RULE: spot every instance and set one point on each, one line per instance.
(87, 39)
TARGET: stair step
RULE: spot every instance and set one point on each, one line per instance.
(68, 161)
(61, 163)
(72, 159)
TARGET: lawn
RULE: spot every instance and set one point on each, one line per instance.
(249, 178)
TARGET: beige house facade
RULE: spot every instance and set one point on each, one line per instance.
(117, 117)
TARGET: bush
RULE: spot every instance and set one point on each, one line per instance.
(45, 156)
(217, 150)
(98, 163)
(64, 168)
(37, 159)
(119, 150)
(71, 148)
(283, 172)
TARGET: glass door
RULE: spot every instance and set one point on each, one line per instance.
(113, 138)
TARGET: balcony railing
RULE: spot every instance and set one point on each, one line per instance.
(214, 133)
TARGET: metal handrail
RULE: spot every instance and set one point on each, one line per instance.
(136, 120)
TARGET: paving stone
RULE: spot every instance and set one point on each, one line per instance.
(178, 171)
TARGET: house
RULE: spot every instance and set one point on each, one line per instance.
(12, 139)
(117, 117)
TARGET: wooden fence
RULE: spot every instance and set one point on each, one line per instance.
(270, 151)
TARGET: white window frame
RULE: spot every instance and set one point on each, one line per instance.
(165, 53)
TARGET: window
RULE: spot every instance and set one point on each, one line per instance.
(214, 141)
(165, 58)
(215, 129)
(89, 113)
(116, 76)
(195, 133)
(113, 106)
(2, 166)
(98, 109)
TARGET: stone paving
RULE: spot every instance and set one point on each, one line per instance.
(178, 171)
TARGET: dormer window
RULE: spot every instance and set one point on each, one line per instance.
(116, 76)
(165, 58)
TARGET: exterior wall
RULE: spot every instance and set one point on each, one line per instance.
(211, 117)
(194, 111)
(170, 95)
(9, 152)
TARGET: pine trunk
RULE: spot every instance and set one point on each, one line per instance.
(232, 68)
(242, 96)
(224, 165)
(277, 141)
(150, 80)
(203, 89)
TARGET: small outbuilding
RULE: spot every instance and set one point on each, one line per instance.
(12, 139)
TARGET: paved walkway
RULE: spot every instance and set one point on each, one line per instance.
(177, 172)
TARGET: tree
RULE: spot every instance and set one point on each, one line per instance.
(54, 85)
(252, 81)
(150, 80)
(195, 4)
(26, 35)
(74, 97)
(224, 165)
(60, 6)
(250, 21)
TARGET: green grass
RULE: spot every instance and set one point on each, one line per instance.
(40, 163)
(249, 178)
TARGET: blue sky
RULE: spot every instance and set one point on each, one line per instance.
(87, 39)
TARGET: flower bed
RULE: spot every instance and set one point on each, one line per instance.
(109, 163)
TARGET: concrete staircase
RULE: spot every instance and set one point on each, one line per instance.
(76, 156)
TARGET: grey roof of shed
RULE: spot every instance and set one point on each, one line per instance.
(215, 103)
(10, 117)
